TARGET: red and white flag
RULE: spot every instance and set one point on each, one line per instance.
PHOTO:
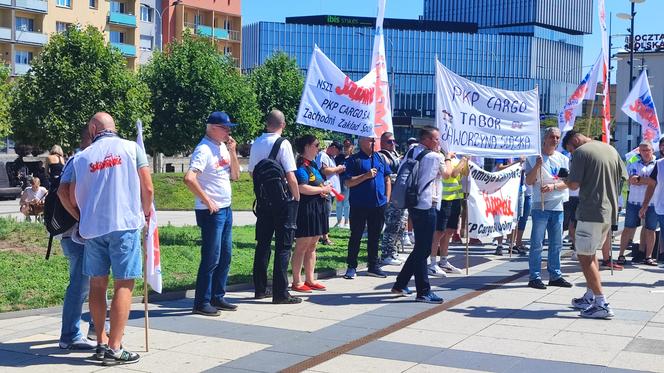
(383, 118)
(606, 103)
(153, 261)
(640, 106)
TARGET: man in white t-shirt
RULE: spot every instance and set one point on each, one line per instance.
(277, 222)
(330, 170)
(212, 166)
(32, 199)
(549, 194)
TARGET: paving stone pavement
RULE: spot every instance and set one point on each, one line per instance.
(508, 328)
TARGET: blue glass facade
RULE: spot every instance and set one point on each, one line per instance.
(514, 56)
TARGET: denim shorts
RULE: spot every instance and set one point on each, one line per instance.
(632, 219)
(118, 251)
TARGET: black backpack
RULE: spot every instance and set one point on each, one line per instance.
(270, 186)
(56, 218)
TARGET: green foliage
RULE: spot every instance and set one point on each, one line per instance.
(76, 75)
(170, 193)
(188, 81)
(278, 84)
(5, 90)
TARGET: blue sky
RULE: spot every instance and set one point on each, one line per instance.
(278, 10)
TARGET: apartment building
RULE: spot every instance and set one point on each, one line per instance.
(218, 20)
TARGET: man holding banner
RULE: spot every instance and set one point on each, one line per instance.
(549, 194)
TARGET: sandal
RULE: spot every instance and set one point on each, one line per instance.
(621, 260)
(650, 262)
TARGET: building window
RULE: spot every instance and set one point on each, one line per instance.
(25, 24)
(23, 57)
(64, 3)
(146, 43)
(117, 37)
(146, 13)
(93, 4)
(117, 7)
(61, 26)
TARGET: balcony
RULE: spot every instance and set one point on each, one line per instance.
(219, 33)
(127, 50)
(122, 19)
(21, 68)
(29, 37)
(40, 6)
(5, 33)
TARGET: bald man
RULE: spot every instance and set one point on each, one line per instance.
(113, 193)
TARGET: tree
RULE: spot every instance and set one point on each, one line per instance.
(278, 84)
(189, 81)
(5, 89)
(76, 75)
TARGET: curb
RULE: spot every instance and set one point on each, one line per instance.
(156, 297)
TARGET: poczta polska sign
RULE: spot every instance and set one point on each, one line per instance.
(646, 43)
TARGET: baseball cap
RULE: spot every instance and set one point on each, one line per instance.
(412, 140)
(336, 144)
(220, 117)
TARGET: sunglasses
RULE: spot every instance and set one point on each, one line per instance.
(391, 141)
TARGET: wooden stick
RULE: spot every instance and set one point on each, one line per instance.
(145, 295)
(465, 211)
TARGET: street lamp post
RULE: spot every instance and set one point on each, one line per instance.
(161, 33)
(630, 17)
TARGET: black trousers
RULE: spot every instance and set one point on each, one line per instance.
(280, 223)
(373, 218)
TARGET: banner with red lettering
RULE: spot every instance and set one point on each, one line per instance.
(383, 118)
(333, 102)
(492, 200)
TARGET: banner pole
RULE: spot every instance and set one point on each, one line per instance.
(145, 294)
(465, 198)
(518, 212)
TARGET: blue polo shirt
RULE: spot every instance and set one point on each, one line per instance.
(369, 193)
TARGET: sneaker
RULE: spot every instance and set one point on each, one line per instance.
(430, 298)
(449, 268)
(350, 274)
(561, 282)
(574, 256)
(92, 332)
(499, 250)
(120, 357)
(436, 271)
(222, 305)
(376, 272)
(536, 284)
(78, 344)
(389, 261)
(405, 241)
(100, 350)
(456, 238)
(206, 310)
(404, 292)
(582, 303)
(289, 300)
(598, 312)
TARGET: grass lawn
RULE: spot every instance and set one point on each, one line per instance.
(29, 281)
(171, 194)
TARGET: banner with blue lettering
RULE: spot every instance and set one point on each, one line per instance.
(333, 102)
(483, 121)
(493, 199)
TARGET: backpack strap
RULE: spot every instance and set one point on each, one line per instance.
(50, 244)
(422, 154)
(275, 148)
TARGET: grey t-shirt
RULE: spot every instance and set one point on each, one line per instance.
(598, 169)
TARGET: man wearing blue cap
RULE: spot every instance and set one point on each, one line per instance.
(213, 165)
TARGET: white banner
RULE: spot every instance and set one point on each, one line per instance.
(493, 201)
(333, 102)
(483, 121)
(640, 107)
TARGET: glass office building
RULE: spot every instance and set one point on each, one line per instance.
(516, 53)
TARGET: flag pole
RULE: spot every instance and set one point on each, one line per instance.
(465, 212)
(518, 212)
(145, 293)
